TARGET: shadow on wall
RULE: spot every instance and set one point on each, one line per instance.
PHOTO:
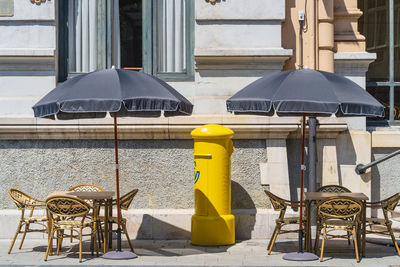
(244, 210)
(242, 207)
(345, 156)
(294, 162)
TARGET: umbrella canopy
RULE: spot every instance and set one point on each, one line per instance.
(120, 92)
(305, 91)
(127, 92)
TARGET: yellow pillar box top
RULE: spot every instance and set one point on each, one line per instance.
(212, 131)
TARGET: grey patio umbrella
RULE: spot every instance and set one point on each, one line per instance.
(115, 91)
(304, 93)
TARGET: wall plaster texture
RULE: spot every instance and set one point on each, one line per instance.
(385, 175)
(162, 170)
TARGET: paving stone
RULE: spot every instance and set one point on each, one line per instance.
(250, 253)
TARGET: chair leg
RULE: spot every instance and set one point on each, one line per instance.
(389, 227)
(49, 245)
(355, 241)
(92, 240)
(95, 243)
(58, 242)
(322, 245)
(276, 233)
(80, 245)
(23, 236)
(316, 242)
(348, 237)
(15, 236)
(272, 236)
(99, 234)
(127, 236)
(61, 238)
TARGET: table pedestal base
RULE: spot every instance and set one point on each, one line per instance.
(300, 256)
(119, 255)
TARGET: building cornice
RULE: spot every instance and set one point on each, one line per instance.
(241, 59)
(31, 60)
(245, 127)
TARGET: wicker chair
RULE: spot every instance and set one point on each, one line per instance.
(69, 213)
(89, 188)
(25, 201)
(124, 202)
(383, 226)
(333, 189)
(281, 205)
(338, 213)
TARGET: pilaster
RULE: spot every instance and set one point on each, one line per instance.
(275, 172)
(347, 36)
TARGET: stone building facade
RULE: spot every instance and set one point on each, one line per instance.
(232, 43)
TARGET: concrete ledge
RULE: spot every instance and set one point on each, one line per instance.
(32, 52)
(241, 59)
(169, 224)
(389, 139)
(244, 126)
(353, 62)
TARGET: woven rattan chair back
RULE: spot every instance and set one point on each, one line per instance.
(23, 200)
(86, 188)
(126, 200)
(277, 203)
(333, 189)
(67, 206)
(339, 207)
(391, 202)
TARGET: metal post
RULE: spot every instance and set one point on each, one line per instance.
(391, 58)
(312, 164)
(312, 154)
(301, 45)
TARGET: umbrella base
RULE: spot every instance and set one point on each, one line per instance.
(300, 256)
(119, 255)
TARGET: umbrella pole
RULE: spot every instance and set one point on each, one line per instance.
(117, 183)
(300, 255)
(302, 168)
(118, 254)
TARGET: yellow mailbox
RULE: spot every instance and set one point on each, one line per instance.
(212, 223)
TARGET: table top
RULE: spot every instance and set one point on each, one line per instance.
(325, 195)
(86, 195)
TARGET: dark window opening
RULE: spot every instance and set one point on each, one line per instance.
(130, 16)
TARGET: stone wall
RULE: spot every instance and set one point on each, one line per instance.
(162, 170)
(385, 176)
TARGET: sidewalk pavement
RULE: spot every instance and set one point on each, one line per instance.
(182, 253)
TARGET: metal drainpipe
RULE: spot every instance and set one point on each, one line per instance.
(391, 59)
(312, 153)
